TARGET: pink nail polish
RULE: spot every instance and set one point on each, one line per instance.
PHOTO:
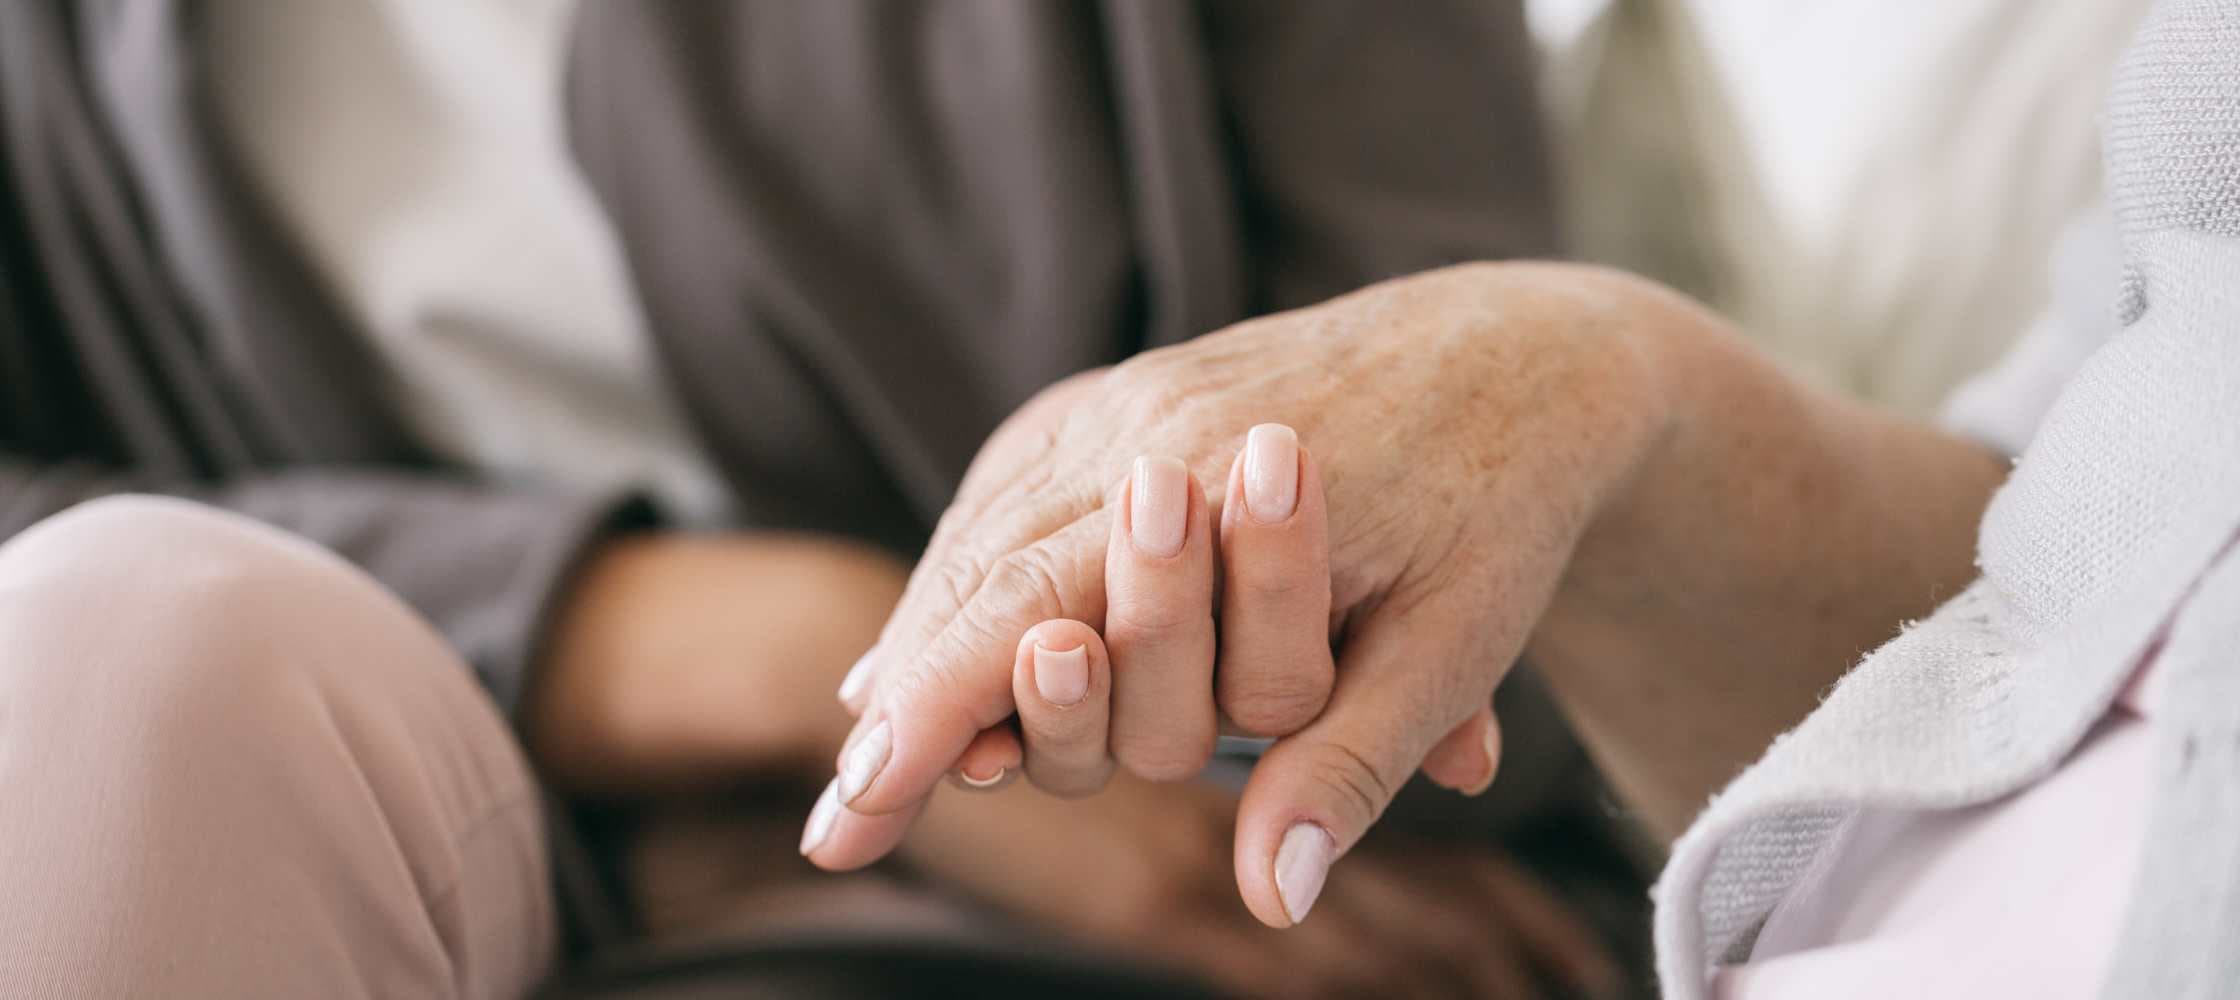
(1302, 864)
(853, 686)
(1061, 677)
(821, 818)
(865, 760)
(1158, 506)
(1271, 473)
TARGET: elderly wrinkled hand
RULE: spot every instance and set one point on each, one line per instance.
(1476, 418)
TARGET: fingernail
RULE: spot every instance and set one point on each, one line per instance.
(1061, 676)
(988, 782)
(821, 818)
(1302, 862)
(864, 761)
(1158, 506)
(859, 678)
(1271, 473)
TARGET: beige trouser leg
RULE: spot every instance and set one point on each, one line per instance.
(233, 766)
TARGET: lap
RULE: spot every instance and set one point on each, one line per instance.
(234, 764)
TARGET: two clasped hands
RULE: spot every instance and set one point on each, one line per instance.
(1341, 526)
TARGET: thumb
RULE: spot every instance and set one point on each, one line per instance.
(1404, 682)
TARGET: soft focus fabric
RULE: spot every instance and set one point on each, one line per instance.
(415, 150)
(865, 232)
(233, 766)
(159, 333)
(1865, 187)
(2103, 545)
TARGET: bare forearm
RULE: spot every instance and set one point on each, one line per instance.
(687, 661)
(1775, 535)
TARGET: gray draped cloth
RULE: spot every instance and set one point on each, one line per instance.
(864, 230)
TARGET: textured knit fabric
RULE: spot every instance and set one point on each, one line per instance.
(2100, 544)
(2019, 897)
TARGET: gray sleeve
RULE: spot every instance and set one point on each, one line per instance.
(1377, 140)
(486, 566)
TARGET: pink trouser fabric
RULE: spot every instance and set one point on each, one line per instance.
(233, 766)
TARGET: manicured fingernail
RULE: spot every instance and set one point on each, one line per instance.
(1271, 473)
(1061, 676)
(990, 781)
(1158, 506)
(821, 818)
(1302, 862)
(858, 679)
(864, 760)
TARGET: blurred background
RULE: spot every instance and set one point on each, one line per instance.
(1849, 181)
(471, 290)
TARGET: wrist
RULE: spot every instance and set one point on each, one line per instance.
(1626, 358)
(1767, 536)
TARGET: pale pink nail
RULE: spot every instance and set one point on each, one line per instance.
(858, 680)
(988, 782)
(1302, 863)
(1271, 473)
(821, 818)
(1061, 676)
(864, 761)
(1158, 506)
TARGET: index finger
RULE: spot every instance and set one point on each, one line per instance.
(928, 708)
(994, 511)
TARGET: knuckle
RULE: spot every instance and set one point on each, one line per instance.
(1070, 782)
(1275, 706)
(1165, 758)
(927, 682)
(1137, 613)
(1024, 583)
(1147, 395)
(958, 579)
(1063, 732)
(1281, 584)
(1347, 779)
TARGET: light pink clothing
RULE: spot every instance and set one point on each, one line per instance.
(233, 766)
(2022, 897)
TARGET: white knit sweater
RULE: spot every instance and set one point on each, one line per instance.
(2113, 531)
